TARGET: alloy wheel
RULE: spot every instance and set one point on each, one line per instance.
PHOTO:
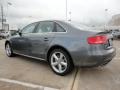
(8, 50)
(58, 62)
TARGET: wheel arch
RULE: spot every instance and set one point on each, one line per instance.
(58, 47)
(7, 42)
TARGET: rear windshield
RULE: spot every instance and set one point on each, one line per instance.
(79, 25)
(83, 26)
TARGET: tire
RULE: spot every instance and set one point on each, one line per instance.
(105, 63)
(60, 62)
(8, 50)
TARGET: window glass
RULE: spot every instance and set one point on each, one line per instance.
(59, 28)
(45, 27)
(29, 29)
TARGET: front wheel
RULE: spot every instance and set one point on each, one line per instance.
(60, 62)
(8, 50)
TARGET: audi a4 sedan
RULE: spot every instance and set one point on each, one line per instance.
(63, 45)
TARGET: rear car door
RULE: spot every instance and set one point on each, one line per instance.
(41, 39)
(21, 43)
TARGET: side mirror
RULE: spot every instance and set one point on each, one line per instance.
(19, 32)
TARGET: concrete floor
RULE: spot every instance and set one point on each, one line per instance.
(39, 73)
(10, 86)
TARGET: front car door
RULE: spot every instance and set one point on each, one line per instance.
(21, 43)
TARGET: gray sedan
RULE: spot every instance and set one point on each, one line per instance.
(63, 45)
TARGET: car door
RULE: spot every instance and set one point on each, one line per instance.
(41, 39)
(21, 43)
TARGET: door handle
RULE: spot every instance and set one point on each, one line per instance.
(46, 39)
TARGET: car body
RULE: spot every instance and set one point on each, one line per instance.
(76, 44)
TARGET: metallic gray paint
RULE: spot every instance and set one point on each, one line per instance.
(74, 41)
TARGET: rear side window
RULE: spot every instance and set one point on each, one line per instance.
(44, 27)
(59, 28)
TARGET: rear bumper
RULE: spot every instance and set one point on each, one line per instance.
(95, 59)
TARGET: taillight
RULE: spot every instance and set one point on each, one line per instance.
(99, 39)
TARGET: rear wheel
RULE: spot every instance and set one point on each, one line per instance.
(60, 62)
(8, 50)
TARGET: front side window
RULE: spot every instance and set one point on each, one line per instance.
(29, 29)
(45, 27)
